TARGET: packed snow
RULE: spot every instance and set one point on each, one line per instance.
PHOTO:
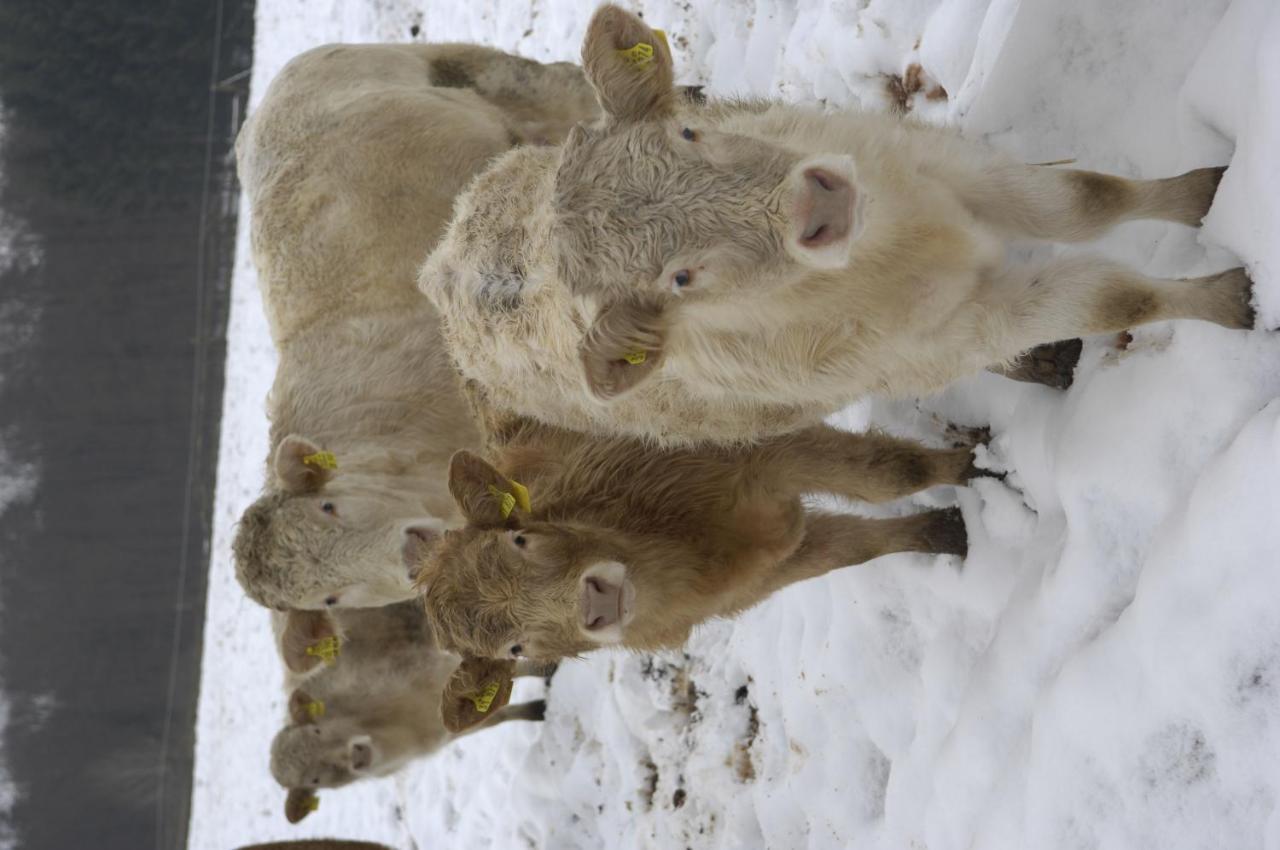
(1104, 671)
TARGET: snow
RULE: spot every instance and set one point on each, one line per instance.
(1103, 672)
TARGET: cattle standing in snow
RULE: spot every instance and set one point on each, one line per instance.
(351, 165)
(373, 704)
(743, 269)
(620, 543)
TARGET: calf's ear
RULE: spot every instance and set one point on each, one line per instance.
(301, 466)
(301, 630)
(622, 349)
(629, 65)
(486, 496)
(304, 709)
(299, 803)
(475, 692)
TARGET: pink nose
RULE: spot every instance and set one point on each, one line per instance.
(826, 207)
(601, 604)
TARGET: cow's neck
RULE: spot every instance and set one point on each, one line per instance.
(375, 381)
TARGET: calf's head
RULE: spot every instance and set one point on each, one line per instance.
(325, 535)
(317, 751)
(507, 587)
(655, 210)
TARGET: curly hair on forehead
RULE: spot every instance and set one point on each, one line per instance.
(254, 549)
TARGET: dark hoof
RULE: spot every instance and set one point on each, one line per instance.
(536, 710)
(946, 533)
(1052, 364)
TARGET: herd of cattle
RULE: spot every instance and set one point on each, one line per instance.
(597, 427)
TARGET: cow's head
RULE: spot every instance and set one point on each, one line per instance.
(655, 211)
(330, 532)
(511, 587)
(318, 751)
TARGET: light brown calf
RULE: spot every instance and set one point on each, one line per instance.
(351, 164)
(624, 544)
(744, 269)
(373, 700)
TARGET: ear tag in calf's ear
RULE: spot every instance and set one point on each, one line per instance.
(506, 501)
(321, 460)
(635, 358)
(640, 55)
(326, 649)
(521, 493)
(484, 699)
(315, 709)
(312, 803)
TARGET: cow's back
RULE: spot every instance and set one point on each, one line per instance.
(351, 164)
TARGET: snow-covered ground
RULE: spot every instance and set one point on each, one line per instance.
(1103, 672)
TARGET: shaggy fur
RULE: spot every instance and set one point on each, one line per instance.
(382, 700)
(559, 263)
(700, 533)
(351, 165)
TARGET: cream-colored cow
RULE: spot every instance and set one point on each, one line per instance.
(741, 270)
(351, 165)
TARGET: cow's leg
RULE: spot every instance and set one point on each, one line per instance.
(869, 467)
(532, 710)
(1068, 205)
(1072, 296)
(534, 669)
(832, 541)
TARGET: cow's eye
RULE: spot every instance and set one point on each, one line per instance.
(689, 134)
(516, 650)
(330, 508)
(331, 601)
(518, 540)
(680, 280)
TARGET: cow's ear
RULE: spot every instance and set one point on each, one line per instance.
(302, 630)
(487, 498)
(301, 466)
(304, 709)
(475, 692)
(622, 349)
(300, 803)
(629, 65)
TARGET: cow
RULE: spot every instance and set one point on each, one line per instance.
(350, 166)
(374, 700)
(745, 268)
(575, 542)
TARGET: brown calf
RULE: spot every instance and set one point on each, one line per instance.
(625, 544)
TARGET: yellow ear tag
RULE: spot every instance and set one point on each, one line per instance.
(315, 709)
(313, 803)
(326, 649)
(521, 493)
(640, 55)
(484, 699)
(506, 501)
(323, 460)
(635, 358)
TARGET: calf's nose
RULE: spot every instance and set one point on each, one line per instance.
(601, 604)
(361, 756)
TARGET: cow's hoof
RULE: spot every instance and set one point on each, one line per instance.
(1052, 364)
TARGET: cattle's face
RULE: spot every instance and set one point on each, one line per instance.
(542, 591)
(320, 752)
(325, 538)
(654, 214)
